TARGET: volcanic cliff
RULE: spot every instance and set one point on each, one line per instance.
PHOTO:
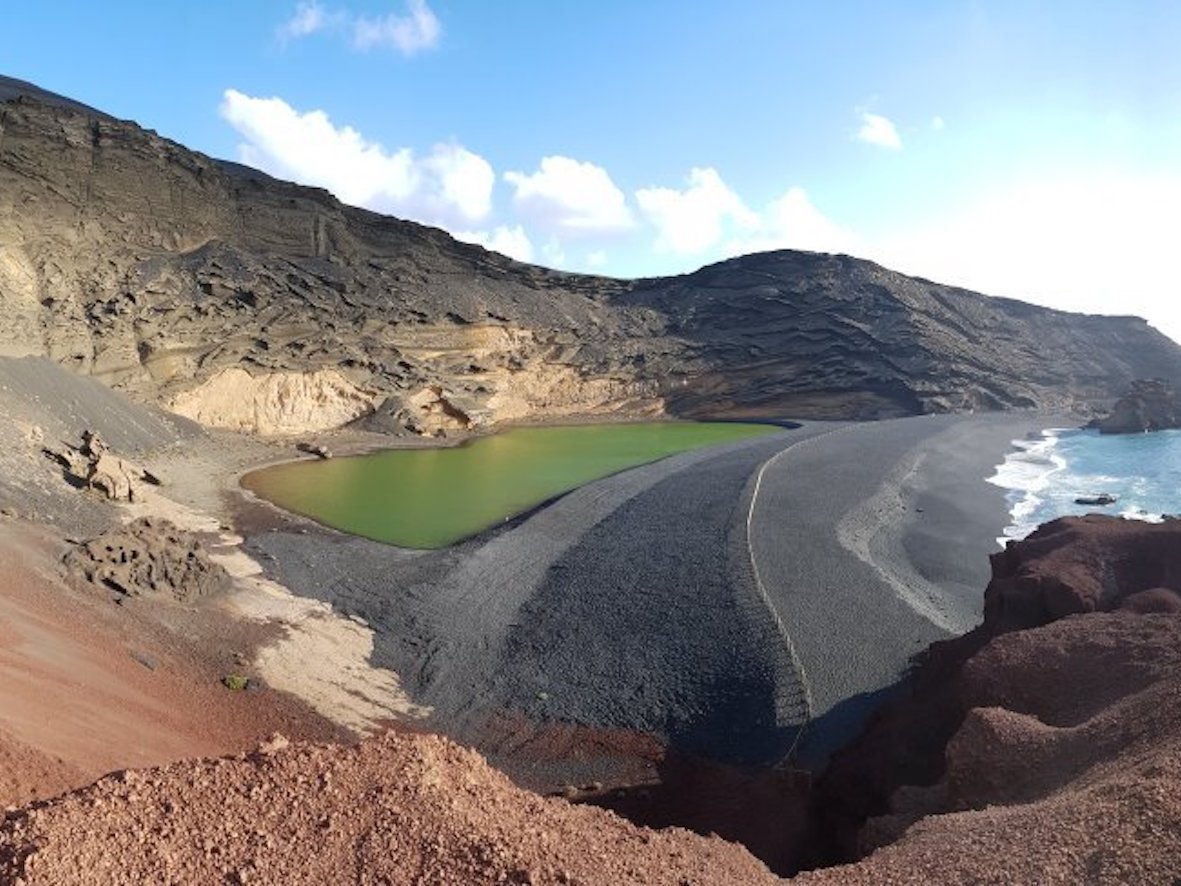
(251, 303)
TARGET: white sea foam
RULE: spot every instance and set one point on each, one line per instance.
(1060, 473)
(1135, 513)
(1023, 474)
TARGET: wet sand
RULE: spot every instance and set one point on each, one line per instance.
(873, 542)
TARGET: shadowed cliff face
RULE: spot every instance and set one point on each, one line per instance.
(248, 302)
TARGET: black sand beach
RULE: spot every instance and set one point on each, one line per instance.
(633, 602)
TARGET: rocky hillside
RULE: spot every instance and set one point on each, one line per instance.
(1060, 710)
(1148, 405)
(247, 302)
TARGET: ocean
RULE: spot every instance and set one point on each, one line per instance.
(1046, 474)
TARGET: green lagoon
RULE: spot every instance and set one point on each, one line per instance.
(431, 498)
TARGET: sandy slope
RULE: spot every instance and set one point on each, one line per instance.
(87, 686)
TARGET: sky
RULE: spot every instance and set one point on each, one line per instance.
(1025, 149)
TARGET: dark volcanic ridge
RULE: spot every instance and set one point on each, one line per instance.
(248, 302)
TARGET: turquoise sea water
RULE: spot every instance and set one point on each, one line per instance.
(1046, 474)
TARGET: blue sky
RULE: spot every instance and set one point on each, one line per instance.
(1023, 149)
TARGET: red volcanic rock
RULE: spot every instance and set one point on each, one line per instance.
(1066, 768)
(1152, 600)
(1071, 566)
(1081, 564)
(394, 809)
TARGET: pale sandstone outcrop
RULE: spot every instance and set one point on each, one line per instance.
(275, 402)
(95, 467)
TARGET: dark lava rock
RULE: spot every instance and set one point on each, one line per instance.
(155, 269)
(1148, 405)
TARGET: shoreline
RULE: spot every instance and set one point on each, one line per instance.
(549, 588)
(877, 544)
(550, 620)
(512, 508)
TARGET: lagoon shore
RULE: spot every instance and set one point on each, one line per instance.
(631, 605)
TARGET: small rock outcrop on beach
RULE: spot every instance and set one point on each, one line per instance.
(1049, 711)
(148, 557)
(93, 466)
(1148, 405)
(395, 809)
(250, 303)
(1081, 564)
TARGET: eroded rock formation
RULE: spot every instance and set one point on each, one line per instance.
(1148, 405)
(252, 303)
(148, 557)
(93, 466)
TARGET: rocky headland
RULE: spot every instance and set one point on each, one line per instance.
(1147, 405)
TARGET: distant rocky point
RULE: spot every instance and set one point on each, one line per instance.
(1148, 405)
(250, 303)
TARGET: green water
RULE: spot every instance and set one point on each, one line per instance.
(430, 498)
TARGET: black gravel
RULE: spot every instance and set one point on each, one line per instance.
(630, 602)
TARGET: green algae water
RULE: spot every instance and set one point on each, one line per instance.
(431, 498)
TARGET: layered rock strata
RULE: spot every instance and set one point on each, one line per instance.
(252, 303)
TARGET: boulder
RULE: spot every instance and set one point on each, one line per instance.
(93, 466)
(1148, 405)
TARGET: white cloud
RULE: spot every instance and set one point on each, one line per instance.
(307, 19)
(573, 197)
(1105, 243)
(694, 219)
(707, 218)
(553, 253)
(413, 32)
(793, 222)
(462, 179)
(878, 130)
(938, 123)
(513, 242)
(451, 186)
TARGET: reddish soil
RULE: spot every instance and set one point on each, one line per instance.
(1023, 753)
(396, 809)
(87, 686)
(1021, 710)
